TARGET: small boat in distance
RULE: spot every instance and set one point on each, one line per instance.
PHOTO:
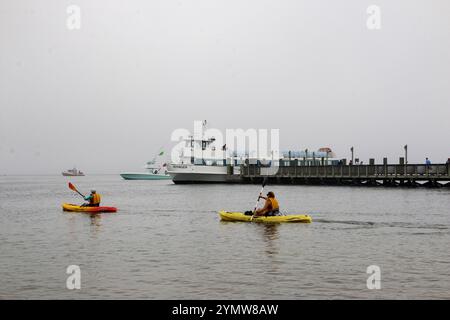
(153, 171)
(72, 173)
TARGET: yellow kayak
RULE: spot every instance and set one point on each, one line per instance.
(76, 208)
(239, 216)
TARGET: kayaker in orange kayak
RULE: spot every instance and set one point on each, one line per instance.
(271, 207)
(94, 199)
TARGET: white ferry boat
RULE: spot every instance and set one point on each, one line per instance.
(202, 161)
(192, 169)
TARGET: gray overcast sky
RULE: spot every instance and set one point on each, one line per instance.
(107, 96)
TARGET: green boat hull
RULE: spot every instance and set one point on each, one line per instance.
(144, 176)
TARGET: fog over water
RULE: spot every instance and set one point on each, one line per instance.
(106, 97)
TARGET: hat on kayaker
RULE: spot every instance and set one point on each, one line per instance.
(93, 191)
(271, 194)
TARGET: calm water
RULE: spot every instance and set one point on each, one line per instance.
(167, 242)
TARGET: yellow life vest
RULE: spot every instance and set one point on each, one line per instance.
(96, 198)
(274, 203)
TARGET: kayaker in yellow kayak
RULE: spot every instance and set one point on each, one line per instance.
(94, 199)
(271, 207)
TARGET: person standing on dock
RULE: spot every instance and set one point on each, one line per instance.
(427, 165)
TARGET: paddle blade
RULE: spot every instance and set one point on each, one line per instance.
(71, 186)
(264, 182)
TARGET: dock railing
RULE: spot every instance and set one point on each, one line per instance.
(357, 172)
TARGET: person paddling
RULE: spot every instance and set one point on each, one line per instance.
(94, 199)
(271, 206)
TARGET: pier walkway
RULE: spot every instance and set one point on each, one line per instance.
(290, 172)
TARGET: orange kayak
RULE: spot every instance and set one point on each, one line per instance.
(77, 208)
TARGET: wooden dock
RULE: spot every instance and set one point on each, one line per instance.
(292, 172)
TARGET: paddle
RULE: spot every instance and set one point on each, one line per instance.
(259, 196)
(72, 187)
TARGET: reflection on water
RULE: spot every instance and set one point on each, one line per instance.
(96, 219)
(269, 236)
(96, 223)
(270, 231)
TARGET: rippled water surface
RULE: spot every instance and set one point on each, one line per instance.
(167, 242)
